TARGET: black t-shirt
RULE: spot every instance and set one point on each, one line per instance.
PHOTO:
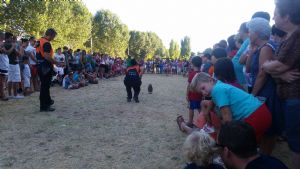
(266, 162)
(13, 56)
(47, 47)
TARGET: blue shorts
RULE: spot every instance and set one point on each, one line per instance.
(292, 123)
(194, 104)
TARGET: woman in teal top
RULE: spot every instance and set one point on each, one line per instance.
(234, 103)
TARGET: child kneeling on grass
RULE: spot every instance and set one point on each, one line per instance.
(200, 152)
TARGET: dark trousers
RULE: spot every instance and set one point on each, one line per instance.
(45, 99)
(136, 85)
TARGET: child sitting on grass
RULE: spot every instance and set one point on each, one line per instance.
(91, 77)
(78, 77)
(199, 150)
(68, 82)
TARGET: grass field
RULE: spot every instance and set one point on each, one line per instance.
(94, 127)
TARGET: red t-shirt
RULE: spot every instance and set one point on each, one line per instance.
(193, 95)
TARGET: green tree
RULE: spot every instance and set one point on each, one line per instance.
(174, 51)
(109, 34)
(136, 45)
(145, 45)
(71, 20)
(21, 17)
(185, 50)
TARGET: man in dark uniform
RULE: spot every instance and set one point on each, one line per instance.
(133, 80)
(44, 54)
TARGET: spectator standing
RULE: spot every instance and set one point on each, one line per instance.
(14, 74)
(286, 68)
(193, 98)
(67, 59)
(4, 66)
(31, 51)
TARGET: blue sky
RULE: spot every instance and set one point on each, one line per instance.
(204, 21)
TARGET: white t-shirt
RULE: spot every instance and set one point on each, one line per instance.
(26, 71)
(32, 50)
(111, 62)
(59, 57)
(4, 62)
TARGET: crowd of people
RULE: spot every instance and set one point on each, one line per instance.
(246, 92)
(167, 66)
(19, 71)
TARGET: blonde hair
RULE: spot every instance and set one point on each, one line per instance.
(199, 77)
(198, 148)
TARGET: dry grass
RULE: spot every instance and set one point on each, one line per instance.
(94, 127)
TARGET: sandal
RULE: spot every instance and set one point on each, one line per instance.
(191, 125)
(180, 120)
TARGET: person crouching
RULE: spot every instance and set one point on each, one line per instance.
(133, 80)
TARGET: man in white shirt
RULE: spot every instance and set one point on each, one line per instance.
(32, 63)
(60, 58)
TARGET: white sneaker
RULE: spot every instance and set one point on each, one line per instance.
(208, 129)
(19, 97)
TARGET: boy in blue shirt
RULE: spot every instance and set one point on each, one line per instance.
(234, 103)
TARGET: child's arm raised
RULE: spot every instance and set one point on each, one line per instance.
(226, 114)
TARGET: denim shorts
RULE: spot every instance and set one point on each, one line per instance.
(194, 104)
(292, 123)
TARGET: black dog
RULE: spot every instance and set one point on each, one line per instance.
(150, 89)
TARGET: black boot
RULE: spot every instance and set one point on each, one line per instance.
(136, 100)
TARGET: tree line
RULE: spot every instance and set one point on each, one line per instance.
(78, 28)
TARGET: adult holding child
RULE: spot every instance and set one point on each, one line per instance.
(44, 54)
(286, 68)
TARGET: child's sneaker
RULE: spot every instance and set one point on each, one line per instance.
(208, 129)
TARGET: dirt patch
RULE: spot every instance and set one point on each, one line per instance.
(94, 127)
